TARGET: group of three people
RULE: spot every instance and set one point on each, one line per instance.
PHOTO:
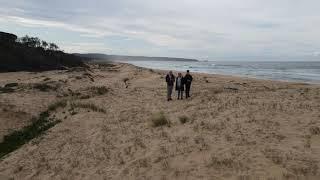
(181, 84)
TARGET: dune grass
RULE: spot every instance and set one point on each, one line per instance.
(58, 104)
(6, 90)
(44, 87)
(20, 137)
(89, 106)
(183, 119)
(99, 90)
(159, 119)
(39, 125)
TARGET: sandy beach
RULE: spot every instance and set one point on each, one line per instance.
(231, 128)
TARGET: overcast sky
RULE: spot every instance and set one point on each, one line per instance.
(202, 29)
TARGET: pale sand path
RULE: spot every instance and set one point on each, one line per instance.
(263, 129)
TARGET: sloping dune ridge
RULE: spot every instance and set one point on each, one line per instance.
(231, 128)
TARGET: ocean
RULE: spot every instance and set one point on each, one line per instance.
(306, 72)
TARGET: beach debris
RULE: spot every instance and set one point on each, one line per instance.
(125, 80)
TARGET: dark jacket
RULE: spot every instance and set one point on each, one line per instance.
(188, 79)
(170, 81)
(181, 88)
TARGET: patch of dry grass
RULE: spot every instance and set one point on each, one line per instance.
(58, 104)
(99, 90)
(90, 106)
(159, 119)
(183, 119)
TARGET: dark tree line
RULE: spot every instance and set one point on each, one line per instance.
(35, 42)
(32, 54)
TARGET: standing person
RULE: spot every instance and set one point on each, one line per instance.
(170, 79)
(180, 85)
(188, 80)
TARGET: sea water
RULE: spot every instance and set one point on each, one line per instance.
(307, 72)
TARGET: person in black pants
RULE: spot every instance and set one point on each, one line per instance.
(188, 80)
(180, 85)
(170, 79)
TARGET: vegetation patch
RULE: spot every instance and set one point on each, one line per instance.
(183, 119)
(6, 90)
(20, 137)
(58, 104)
(315, 130)
(84, 97)
(46, 79)
(99, 90)
(32, 54)
(44, 87)
(89, 106)
(159, 119)
(9, 85)
(225, 161)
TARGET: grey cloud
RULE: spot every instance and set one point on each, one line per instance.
(206, 28)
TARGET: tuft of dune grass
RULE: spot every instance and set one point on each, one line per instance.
(99, 90)
(159, 119)
(90, 106)
(58, 104)
(183, 119)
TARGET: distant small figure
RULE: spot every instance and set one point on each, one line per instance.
(188, 80)
(180, 85)
(170, 79)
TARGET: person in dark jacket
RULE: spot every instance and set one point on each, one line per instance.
(180, 85)
(188, 80)
(170, 79)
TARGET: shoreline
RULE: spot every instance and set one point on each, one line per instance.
(226, 75)
(288, 79)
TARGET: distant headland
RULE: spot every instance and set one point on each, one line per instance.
(106, 57)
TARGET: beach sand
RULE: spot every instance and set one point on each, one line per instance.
(231, 128)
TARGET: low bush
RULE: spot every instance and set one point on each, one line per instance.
(183, 119)
(159, 119)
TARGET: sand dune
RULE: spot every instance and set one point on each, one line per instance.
(231, 128)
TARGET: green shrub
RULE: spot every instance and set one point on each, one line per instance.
(18, 138)
(39, 125)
